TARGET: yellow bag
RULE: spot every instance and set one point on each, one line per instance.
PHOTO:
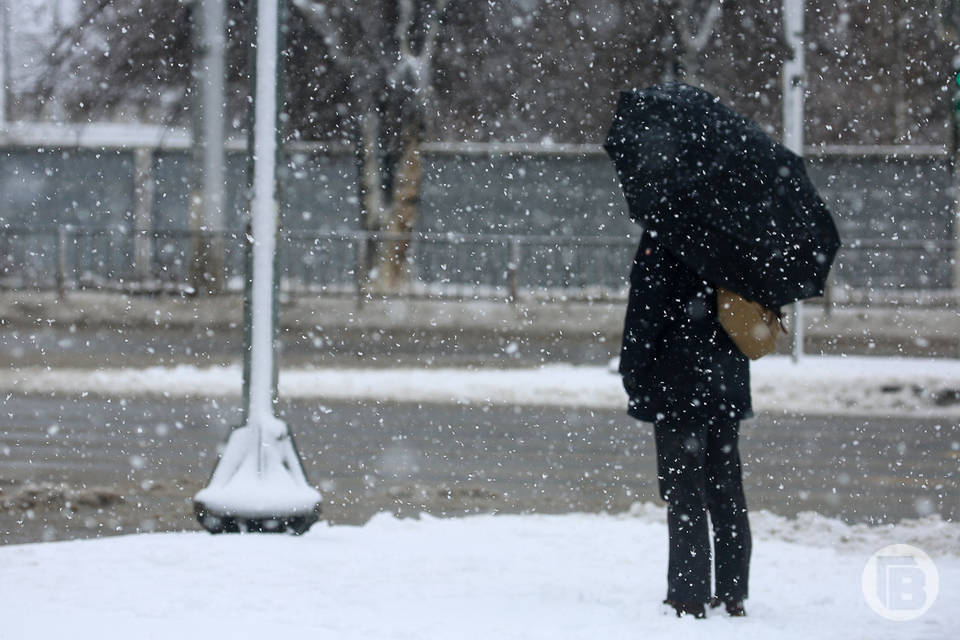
(751, 326)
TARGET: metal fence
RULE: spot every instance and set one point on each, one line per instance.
(491, 266)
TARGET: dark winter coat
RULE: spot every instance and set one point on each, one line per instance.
(675, 357)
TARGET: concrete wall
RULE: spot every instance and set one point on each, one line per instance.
(872, 196)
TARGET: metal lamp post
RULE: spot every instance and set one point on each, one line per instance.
(259, 483)
(948, 28)
(209, 161)
(793, 88)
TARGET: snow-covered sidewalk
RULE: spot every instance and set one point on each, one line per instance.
(493, 576)
(820, 384)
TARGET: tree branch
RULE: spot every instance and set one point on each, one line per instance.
(699, 41)
(430, 43)
(318, 18)
(72, 36)
(680, 19)
(402, 30)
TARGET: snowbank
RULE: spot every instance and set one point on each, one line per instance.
(570, 576)
(819, 385)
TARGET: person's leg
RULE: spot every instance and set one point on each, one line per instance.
(728, 511)
(681, 446)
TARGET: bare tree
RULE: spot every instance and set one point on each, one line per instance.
(691, 30)
(388, 52)
(364, 73)
(102, 59)
(877, 72)
(384, 75)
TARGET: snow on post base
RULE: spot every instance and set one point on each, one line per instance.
(258, 486)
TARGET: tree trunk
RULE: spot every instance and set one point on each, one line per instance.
(369, 191)
(901, 133)
(690, 64)
(371, 173)
(405, 204)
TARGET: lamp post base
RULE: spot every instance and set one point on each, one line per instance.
(258, 484)
(214, 522)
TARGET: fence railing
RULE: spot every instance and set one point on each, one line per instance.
(489, 266)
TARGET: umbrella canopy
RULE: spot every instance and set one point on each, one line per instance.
(724, 197)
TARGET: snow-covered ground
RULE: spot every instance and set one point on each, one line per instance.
(821, 385)
(493, 576)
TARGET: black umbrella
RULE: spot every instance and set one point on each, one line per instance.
(732, 203)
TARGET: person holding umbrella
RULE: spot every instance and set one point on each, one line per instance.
(724, 208)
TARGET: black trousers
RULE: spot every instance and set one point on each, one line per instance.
(698, 466)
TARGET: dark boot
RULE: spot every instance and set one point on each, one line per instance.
(734, 607)
(694, 609)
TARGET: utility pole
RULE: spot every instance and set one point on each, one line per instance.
(4, 61)
(948, 29)
(955, 173)
(259, 483)
(793, 90)
(209, 174)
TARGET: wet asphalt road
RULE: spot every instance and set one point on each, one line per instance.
(99, 347)
(87, 466)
